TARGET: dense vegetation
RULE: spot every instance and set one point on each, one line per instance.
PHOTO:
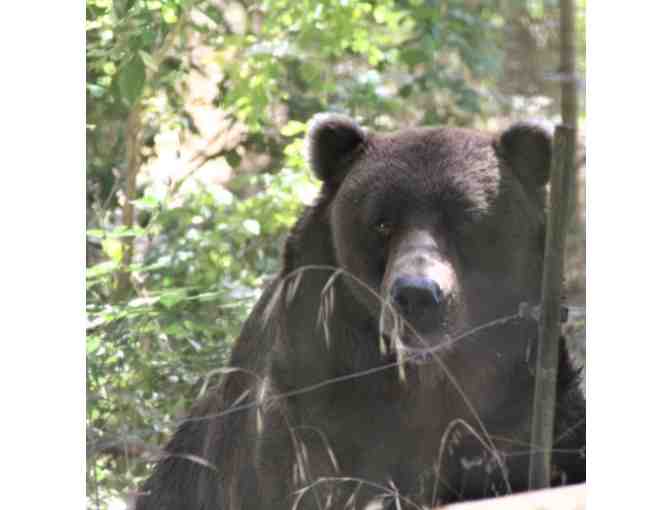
(195, 116)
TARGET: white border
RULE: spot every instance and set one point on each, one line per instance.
(42, 363)
(629, 255)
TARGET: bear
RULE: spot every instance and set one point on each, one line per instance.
(387, 365)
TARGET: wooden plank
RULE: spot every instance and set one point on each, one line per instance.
(572, 497)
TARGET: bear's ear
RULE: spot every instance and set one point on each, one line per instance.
(527, 146)
(332, 143)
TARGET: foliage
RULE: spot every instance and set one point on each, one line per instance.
(207, 100)
(206, 258)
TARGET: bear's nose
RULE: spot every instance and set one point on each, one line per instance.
(416, 297)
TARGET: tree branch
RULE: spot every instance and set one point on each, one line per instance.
(133, 146)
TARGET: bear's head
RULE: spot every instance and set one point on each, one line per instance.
(443, 227)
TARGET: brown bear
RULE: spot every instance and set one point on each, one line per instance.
(386, 366)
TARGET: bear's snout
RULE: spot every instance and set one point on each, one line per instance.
(418, 298)
(421, 283)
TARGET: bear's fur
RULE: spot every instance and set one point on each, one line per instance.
(386, 365)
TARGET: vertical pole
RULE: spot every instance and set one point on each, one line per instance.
(543, 414)
(568, 96)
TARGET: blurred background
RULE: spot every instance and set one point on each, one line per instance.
(196, 113)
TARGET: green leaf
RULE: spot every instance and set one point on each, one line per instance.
(148, 60)
(147, 203)
(101, 269)
(413, 56)
(92, 344)
(233, 159)
(132, 79)
(215, 14)
(169, 15)
(98, 233)
(109, 68)
(172, 298)
(113, 249)
(121, 7)
(293, 128)
(381, 14)
(95, 90)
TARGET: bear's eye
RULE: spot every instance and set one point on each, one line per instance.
(383, 228)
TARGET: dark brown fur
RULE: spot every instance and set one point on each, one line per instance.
(456, 428)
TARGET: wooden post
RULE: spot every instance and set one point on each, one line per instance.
(568, 96)
(543, 414)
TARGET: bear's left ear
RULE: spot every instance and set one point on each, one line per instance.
(332, 143)
(527, 146)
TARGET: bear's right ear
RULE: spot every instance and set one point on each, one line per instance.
(332, 142)
(527, 146)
